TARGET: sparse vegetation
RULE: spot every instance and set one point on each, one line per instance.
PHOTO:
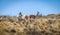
(30, 25)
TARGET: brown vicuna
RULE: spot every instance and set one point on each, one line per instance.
(32, 16)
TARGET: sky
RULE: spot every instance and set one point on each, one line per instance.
(27, 7)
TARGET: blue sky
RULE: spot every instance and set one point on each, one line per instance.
(27, 7)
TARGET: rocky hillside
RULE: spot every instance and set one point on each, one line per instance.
(44, 25)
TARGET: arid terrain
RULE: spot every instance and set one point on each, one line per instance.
(39, 25)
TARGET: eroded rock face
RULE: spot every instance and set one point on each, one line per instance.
(38, 26)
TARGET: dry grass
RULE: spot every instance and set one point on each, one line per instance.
(45, 25)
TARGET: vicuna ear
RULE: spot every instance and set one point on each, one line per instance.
(20, 14)
(37, 13)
